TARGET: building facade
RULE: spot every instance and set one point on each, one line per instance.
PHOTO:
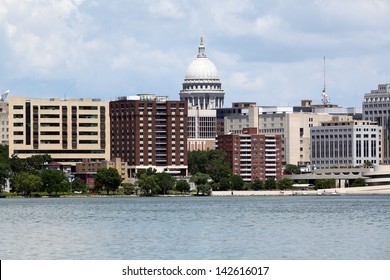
(202, 86)
(345, 144)
(68, 130)
(252, 155)
(240, 115)
(201, 129)
(294, 127)
(376, 107)
(88, 168)
(4, 123)
(150, 131)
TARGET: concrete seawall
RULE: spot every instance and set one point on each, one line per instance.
(374, 190)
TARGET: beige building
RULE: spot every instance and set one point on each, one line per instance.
(68, 130)
(295, 130)
(201, 129)
(88, 166)
(294, 127)
(4, 123)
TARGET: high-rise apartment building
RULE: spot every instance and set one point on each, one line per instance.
(252, 155)
(345, 144)
(150, 131)
(376, 107)
(68, 130)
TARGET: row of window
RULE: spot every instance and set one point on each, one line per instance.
(54, 141)
(56, 107)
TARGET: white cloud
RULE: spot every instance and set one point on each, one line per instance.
(166, 9)
(261, 48)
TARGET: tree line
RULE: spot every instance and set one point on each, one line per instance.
(28, 176)
(149, 182)
(209, 169)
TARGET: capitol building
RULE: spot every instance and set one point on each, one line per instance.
(204, 94)
(202, 86)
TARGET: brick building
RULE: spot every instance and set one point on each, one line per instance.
(252, 155)
(150, 131)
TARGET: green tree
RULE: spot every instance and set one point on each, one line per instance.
(201, 182)
(4, 166)
(182, 186)
(35, 163)
(359, 182)
(237, 182)
(54, 181)
(367, 163)
(128, 188)
(148, 184)
(292, 169)
(212, 162)
(149, 171)
(218, 169)
(247, 186)
(200, 178)
(270, 184)
(285, 183)
(79, 185)
(18, 165)
(204, 189)
(26, 183)
(165, 181)
(258, 185)
(225, 184)
(197, 161)
(109, 179)
(325, 183)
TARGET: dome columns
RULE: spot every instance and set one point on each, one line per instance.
(202, 86)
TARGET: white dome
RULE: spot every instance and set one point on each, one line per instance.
(202, 86)
(202, 68)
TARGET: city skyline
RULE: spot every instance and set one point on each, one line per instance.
(93, 49)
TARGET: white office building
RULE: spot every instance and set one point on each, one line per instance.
(345, 144)
(376, 107)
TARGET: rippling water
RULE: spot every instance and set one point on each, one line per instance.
(342, 227)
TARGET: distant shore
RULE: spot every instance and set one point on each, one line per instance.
(375, 190)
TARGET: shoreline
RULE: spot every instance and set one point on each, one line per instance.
(374, 190)
(355, 191)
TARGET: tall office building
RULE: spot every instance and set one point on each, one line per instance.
(345, 144)
(150, 131)
(252, 155)
(376, 107)
(68, 130)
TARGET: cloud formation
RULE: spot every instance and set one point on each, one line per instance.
(97, 48)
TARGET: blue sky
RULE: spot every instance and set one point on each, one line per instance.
(270, 52)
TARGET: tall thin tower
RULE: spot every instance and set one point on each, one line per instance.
(325, 98)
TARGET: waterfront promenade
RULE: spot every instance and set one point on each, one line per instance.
(374, 190)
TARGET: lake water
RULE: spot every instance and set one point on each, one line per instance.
(339, 227)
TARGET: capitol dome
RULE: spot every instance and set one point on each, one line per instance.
(202, 68)
(202, 86)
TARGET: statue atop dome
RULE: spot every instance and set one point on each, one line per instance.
(201, 51)
(202, 86)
